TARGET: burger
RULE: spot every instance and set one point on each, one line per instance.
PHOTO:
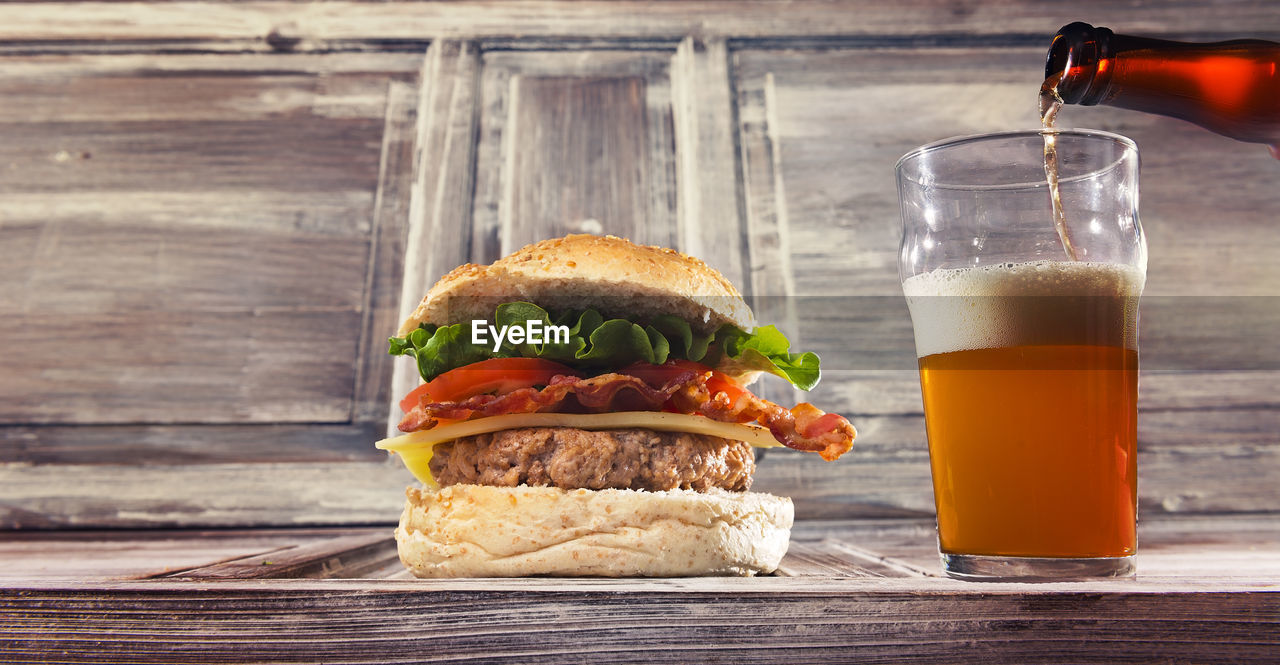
(584, 411)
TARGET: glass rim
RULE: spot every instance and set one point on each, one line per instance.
(1127, 143)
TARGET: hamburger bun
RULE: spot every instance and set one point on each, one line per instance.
(482, 531)
(609, 274)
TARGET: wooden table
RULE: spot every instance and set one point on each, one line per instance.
(1207, 590)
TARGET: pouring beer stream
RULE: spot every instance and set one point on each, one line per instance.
(1050, 104)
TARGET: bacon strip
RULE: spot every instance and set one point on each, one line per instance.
(601, 394)
(804, 427)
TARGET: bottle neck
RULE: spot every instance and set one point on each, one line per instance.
(1085, 59)
(1080, 58)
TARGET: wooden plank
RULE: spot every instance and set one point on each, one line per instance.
(1209, 549)
(87, 269)
(1215, 547)
(180, 444)
(572, 143)
(252, 153)
(1215, 461)
(491, 152)
(710, 222)
(444, 169)
(768, 234)
(1171, 389)
(328, 213)
(740, 239)
(189, 89)
(1174, 549)
(497, 179)
(317, 26)
(763, 585)
(65, 67)
(1223, 547)
(833, 558)
(81, 555)
(908, 546)
(232, 366)
(748, 621)
(767, 225)
(576, 159)
(240, 494)
(385, 268)
(340, 556)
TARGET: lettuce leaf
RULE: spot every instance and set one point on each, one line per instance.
(598, 345)
(440, 349)
(768, 350)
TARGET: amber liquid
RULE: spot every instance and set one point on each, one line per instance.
(1050, 104)
(1033, 449)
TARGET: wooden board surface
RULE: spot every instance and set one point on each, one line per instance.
(674, 622)
(1240, 548)
(853, 621)
(1207, 589)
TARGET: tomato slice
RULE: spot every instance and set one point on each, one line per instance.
(496, 375)
(413, 398)
(656, 375)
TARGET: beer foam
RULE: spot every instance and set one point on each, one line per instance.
(1011, 304)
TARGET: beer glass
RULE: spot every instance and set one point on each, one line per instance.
(1026, 333)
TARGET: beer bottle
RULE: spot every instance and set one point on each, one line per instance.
(1232, 88)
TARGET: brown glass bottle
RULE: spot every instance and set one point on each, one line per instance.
(1232, 88)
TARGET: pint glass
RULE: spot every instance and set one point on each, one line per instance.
(1026, 335)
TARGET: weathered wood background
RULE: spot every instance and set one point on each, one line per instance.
(212, 215)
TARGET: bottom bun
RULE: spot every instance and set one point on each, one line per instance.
(482, 531)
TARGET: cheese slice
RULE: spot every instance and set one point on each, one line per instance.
(416, 448)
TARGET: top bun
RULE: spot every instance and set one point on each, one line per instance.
(614, 276)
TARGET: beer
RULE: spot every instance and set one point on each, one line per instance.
(1029, 378)
(1050, 103)
(1025, 319)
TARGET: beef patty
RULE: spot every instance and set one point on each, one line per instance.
(569, 458)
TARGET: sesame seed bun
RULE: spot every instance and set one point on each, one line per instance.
(611, 275)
